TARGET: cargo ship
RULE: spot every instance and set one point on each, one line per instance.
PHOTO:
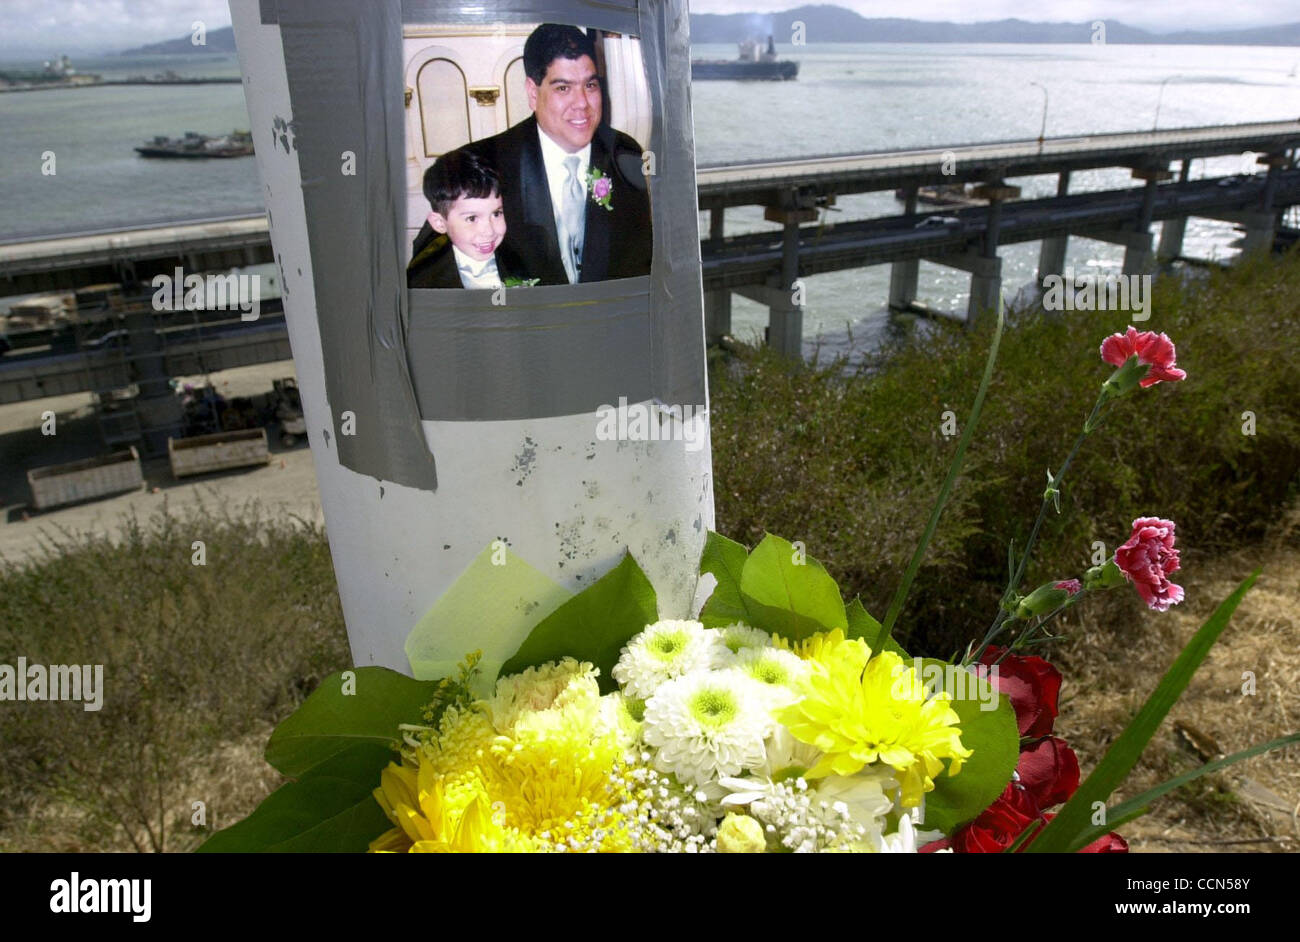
(192, 145)
(750, 64)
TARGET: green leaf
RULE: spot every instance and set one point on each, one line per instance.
(331, 810)
(1066, 831)
(862, 625)
(594, 625)
(1139, 805)
(332, 721)
(990, 732)
(788, 592)
(725, 559)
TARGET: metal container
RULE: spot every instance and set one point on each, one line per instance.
(204, 453)
(55, 485)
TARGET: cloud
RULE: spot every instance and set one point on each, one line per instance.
(93, 26)
(86, 26)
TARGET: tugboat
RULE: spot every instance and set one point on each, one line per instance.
(193, 146)
(749, 64)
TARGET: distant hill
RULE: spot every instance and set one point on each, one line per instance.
(825, 23)
(216, 41)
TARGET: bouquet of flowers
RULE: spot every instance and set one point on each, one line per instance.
(780, 718)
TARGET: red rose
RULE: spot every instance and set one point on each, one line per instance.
(998, 825)
(1001, 824)
(1112, 843)
(1147, 559)
(1033, 686)
(1049, 771)
(1155, 350)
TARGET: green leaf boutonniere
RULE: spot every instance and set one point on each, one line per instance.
(519, 282)
(600, 187)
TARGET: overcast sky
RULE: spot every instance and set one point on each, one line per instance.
(48, 27)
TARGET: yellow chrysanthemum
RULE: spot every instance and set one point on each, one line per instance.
(810, 648)
(431, 817)
(529, 768)
(540, 697)
(860, 710)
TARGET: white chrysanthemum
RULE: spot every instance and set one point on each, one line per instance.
(664, 651)
(787, 757)
(776, 673)
(706, 725)
(868, 799)
(908, 839)
(738, 637)
(621, 717)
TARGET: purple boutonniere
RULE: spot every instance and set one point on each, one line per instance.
(600, 187)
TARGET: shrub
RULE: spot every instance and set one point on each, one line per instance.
(849, 459)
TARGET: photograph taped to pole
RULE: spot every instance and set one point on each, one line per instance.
(485, 219)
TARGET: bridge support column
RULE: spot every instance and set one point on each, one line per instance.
(903, 279)
(1261, 226)
(1137, 245)
(986, 272)
(1260, 231)
(903, 276)
(1137, 253)
(985, 281)
(717, 304)
(985, 286)
(1051, 257)
(1173, 230)
(785, 310)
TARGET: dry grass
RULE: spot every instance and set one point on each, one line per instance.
(231, 780)
(199, 663)
(1117, 653)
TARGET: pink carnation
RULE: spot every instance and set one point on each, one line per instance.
(1148, 558)
(1155, 350)
(1073, 586)
(600, 189)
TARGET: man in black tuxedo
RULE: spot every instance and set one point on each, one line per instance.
(565, 227)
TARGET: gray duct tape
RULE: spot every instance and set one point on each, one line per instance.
(560, 350)
(547, 354)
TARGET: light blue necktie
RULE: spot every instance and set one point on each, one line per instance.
(573, 216)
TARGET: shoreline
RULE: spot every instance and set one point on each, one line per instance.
(51, 86)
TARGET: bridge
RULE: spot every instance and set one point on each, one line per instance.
(764, 266)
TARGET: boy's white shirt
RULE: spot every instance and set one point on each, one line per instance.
(476, 274)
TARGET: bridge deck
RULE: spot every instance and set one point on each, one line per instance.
(737, 184)
(745, 183)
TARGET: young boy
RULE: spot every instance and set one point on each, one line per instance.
(457, 248)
